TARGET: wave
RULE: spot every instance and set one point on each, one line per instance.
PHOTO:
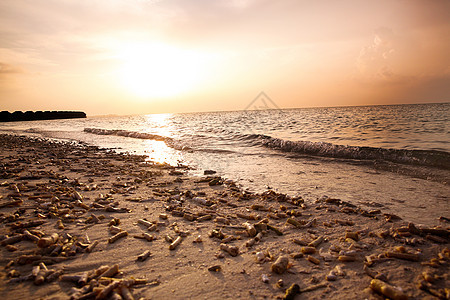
(428, 158)
(138, 135)
(126, 133)
(149, 136)
(431, 158)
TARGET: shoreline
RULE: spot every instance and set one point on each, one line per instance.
(225, 241)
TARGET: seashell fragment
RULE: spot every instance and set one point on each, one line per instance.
(250, 243)
(125, 292)
(428, 277)
(114, 229)
(316, 242)
(145, 236)
(91, 246)
(27, 259)
(352, 235)
(143, 256)
(175, 243)
(232, 250)
(294, 222)
(198, 239)
(117, 236)
(387, 290)
(110, 272)
(280, 283)
(308, 250)
(13, 273)
(217, 233)
(248, 217)
(145, 223)
(280, 265)
(35, 270)
(72, 278)
(300, 242)
(260, 226)
(204, 218)
(222, 220)
(11, 248)
(103, 294)
(59, 224)
(276, 230)
(251, 231)
(331, 276)
(30, 236)
(313, 260)
(115, 221)
(260, 257)
(48, 240)
(310, 223)
(114, 296)
(53, 276)
(347, 258)
(405, 256)
(77, 196)
(152, 227)
(168, 238)
(215, 268)
(188, 216)
(436, 239)
(13, 239)
(291, 292)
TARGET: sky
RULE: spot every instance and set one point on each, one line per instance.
(161, 56)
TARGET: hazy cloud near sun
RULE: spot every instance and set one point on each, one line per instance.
(6, 69)
(376, 61)
(333, 52)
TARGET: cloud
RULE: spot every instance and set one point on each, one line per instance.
(373, 59)
(6, 69)
(239, 4)
(8, 73)
(8, 76)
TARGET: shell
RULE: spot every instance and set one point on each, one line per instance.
(292, 291)
(91, 246)
(387, 290)
(232, 250)
(48, 240)
(313, 260)
(117, 236)
(143, 256)
(280, 265)
(175, 243)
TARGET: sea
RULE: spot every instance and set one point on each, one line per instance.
(395, 157)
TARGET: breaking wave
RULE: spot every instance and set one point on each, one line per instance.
(138, 135)
(126, 133)
(170, 142)
(430, 158)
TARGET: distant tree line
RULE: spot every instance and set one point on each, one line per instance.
(6, 116)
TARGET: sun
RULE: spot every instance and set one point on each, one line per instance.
(157, 70)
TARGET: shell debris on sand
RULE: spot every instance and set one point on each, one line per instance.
(68, 198)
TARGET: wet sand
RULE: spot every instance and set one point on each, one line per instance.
(84, 223)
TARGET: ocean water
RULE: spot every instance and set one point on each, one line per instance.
(397, 157)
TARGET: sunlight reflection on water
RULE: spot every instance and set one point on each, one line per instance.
(158, 152)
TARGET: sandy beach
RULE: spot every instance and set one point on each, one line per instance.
(78, 222)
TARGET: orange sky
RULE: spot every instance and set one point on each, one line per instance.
(150, 56)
